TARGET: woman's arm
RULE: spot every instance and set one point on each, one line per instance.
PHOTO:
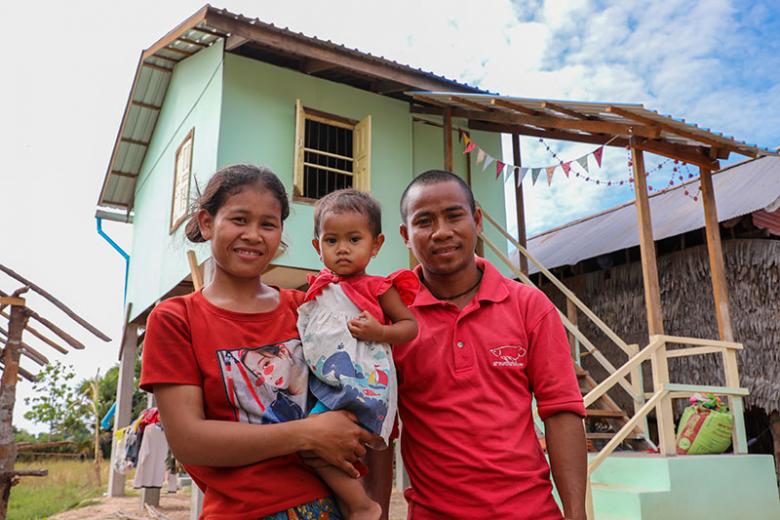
(402, 329)
(333, 436)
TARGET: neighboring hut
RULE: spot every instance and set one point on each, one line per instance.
(598, 258)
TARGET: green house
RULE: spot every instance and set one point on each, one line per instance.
(221, 89)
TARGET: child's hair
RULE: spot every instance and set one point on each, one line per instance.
(349, 201)
(229, 181)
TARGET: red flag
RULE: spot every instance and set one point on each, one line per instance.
(470, 147)
(499, 168)
(566, 167)
(597, 154)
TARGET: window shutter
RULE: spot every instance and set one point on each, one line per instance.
(300, 133)
(361, 151)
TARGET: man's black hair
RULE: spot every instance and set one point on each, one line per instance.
(436, 177)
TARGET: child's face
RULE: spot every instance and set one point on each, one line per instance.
(245, 233)
(345, 244)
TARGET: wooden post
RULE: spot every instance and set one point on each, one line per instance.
(521, 236)
(638, 386)
(655, 324)
(124, 402)
(19, 316)
(715, 251)
(647, 247)
(448, 165)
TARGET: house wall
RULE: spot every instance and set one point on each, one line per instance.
(243, 111)
(258, 126)
(193, 100)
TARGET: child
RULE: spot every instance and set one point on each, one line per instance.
(348, 322)
(227, 369)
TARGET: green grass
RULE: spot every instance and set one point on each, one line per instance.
(70, 484)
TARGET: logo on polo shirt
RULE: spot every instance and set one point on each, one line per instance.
(510, 356)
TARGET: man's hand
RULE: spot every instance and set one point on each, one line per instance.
(366, 328)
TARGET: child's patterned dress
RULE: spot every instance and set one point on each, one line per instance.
(352, 374)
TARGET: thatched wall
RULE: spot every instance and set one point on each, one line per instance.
(753, 275)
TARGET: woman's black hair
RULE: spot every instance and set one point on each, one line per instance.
(229, 181)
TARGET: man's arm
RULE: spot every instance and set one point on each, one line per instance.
(379, 481)
(565, 436)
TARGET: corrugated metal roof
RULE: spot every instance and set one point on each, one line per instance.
(740, 189)
(578, 116)
(153, 76)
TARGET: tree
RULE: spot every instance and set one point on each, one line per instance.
(53, 401)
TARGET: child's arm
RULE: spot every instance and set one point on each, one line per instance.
(402, 329)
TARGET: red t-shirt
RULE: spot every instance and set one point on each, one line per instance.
(465, 387)
(251, 369)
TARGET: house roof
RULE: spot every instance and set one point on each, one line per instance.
(255, 39)
(740, 189)
(618, 124)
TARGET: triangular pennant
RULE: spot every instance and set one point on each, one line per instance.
(521, 176)
(488, 161)
(550, 171)
(535, 174)
(566, 167)
(480, 155)
(583, 162)
(466, 139)
(597, 154)
(499, 168)
(469, 148)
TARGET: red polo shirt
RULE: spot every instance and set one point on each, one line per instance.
(465, 389)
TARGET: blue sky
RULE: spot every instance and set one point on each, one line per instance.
(69, 67)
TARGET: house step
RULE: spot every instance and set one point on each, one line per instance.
(606, 413)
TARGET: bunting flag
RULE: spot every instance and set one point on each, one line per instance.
(488, 161)
(550, 172)
(535, 175)
(521, 176)
(499, 168)
(597, 154)
(469, 148)
(583, 162)
(566, 167)
(480, 155)
(466, 139)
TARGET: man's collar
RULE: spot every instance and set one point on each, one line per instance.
(491, 289)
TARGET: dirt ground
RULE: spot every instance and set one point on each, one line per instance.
(173, 506)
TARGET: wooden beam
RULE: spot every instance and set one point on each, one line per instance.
(647, 247)
(469, 103)
(27, 350)
(67, 338)
(520, 203)
(195, 272)
(233, 42)
(25, 374)
(189, 41)
(177, 50)
(12, 300)
(209, 30)
(688, 154)
(177, 32)
(516, 107)
(156, 67)
(673, 129)
(560, 135)
(313, 66)
(145, 105)
(720, 290)
(294, 44)
(164, 58)
(57, 303)
(38, 335)
(134, 141)
(566, 111)
(124, 174)
(447, 134)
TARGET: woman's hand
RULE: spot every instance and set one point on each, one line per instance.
(337, 438)
(366, 328)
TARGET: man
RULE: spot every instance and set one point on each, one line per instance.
(487, 346)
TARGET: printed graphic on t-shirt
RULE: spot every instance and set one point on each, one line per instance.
(265, 384)
(509, 356)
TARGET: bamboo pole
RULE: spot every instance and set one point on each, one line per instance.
(11, 353)
(519, 201)
(447, 131)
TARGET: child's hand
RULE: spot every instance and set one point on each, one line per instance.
(366, 328)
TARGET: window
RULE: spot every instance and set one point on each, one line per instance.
(181, 182)
(331, 153)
